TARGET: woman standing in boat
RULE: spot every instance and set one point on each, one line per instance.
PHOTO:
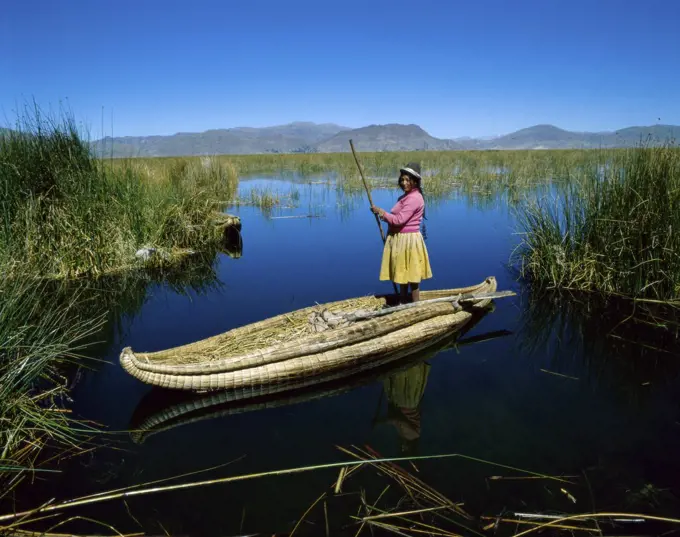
(405, 259)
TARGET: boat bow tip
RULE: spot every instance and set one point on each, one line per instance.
(126, 357)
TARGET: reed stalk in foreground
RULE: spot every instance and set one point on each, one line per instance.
(612, 228)
(419, 508)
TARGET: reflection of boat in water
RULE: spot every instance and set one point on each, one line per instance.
(162, 410)
(337, 339)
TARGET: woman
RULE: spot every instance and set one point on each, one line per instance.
(405, 260)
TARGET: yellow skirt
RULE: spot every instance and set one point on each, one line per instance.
(405, 259)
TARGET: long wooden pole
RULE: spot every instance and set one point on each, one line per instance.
(370, 200)
(368, 191)
(353, 317)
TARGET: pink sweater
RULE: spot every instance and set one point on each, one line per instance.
(406, 215)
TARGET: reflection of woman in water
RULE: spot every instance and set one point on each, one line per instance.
(404, 391)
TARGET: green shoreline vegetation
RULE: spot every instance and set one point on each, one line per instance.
(612, 229)
(39, 336)
(49, 329)
(67, 215)
(447, 171)
(78, 216)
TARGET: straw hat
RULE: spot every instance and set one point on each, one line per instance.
(412, 169)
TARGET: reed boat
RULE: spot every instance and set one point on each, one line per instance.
(163, 410)
(333, 340)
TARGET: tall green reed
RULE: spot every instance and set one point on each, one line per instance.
(493, 173)
(476, 173)
(612, 227)
(40, 334)
(85, 216)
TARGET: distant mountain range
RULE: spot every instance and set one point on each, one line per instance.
(391, 137)
(307, 137)
(551, 137)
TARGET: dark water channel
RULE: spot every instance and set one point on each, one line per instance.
(611, 410)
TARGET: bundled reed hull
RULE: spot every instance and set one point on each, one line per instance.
(162, 410)
(270, 355)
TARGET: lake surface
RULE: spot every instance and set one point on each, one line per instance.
(554, 395)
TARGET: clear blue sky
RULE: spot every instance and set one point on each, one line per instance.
(478, 67)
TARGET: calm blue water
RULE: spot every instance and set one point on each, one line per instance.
(616, 418)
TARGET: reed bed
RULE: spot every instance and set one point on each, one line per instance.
(267, 199)
(48, 329)
(264, 199)
(72, 214)
(478, 174)
(611, 227)
(483, 177)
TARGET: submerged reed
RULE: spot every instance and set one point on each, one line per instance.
(613, 227)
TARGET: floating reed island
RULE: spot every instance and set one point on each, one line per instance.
(335, 339)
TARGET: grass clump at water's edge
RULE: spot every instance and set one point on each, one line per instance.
(73, 215)
(39, 334)
(611, 228)
(66, 214)
(48, 328)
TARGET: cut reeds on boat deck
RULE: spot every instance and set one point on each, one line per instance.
(309, 341)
